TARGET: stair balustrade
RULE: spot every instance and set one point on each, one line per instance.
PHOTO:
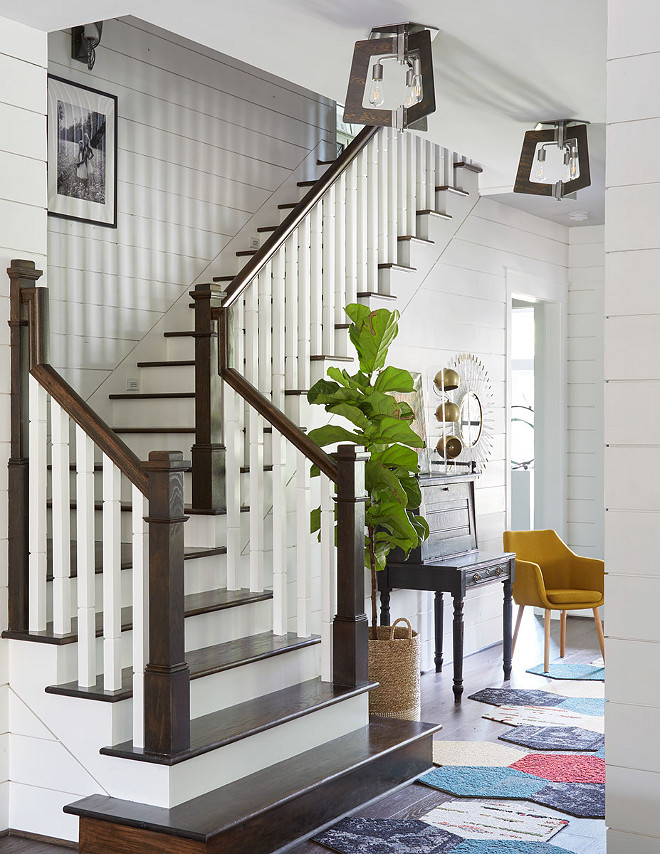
(46, 414)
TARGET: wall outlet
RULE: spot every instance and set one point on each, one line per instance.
(254, 243)
(132, 384)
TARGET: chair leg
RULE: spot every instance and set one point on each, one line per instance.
(562, 635)
(546, 651)
(521, 608)
(599, 629)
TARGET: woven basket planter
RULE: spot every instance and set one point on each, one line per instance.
(394, 663)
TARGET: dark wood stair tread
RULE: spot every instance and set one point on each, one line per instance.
(324, 162)
(322, 358)
(307, 183)
(245, 252)
(264, 228)
(245, 719)
(374, 294)
(171, 363)
(154, 429)
(224, 278)
(429, 212)
(194, 605)
(202, 662)
(184, 333)
(288, 206)
(413, 238)
(447, 189)
(472, 167)
(289, 801)
(168, 395)
(393, 266)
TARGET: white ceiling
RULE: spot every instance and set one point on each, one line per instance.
(500, 65)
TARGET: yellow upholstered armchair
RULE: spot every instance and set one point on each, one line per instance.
(551, 576)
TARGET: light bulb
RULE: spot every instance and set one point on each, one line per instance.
(540, 175)
(568, 157)
(574, 164)
(410, 89)
(417, 80)
(376, 95)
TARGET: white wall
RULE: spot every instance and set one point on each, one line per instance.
(203, 142)
(584, 374)
(632, 434)
(461, 307)
(23, 58)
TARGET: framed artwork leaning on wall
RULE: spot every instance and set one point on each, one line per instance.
(82, 153)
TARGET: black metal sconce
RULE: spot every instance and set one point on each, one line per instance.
(84, 41)
(569, 138)
(410, 45)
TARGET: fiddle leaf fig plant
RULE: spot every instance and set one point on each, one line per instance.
(382, 425)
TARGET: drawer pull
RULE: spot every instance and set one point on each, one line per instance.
(476, 578)
(499, 570)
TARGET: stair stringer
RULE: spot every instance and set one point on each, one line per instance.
(152, 345)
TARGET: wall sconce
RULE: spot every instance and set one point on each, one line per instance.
(554, 161)
(448, 413)
(84, 41)
(410, 46)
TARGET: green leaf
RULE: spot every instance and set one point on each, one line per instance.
(393, 430)
(378, 475)
(332, 433)
(412, 490)
(420, 524)
(372, 335)
(337, 374)
(394, 379)
(314, 471)
(357, 312)
(397, 455)
(315, 520)
(353, 413)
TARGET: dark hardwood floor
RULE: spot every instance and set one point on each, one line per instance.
(461, 723)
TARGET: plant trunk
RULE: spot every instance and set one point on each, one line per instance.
(374, 584)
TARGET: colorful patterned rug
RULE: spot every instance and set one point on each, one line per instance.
(544, 716)
(507, 846)
(562, 670)
(493, 820)
(554, 738)
(481, 753)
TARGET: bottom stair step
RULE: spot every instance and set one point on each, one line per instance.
(268, 812)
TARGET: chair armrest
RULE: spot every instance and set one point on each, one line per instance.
(588, 573)
(528, 586)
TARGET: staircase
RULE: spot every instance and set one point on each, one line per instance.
(212, 694)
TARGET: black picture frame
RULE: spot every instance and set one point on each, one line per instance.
(82, 153)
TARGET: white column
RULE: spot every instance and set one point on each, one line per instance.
(362, 280)
(375, 195)
(340, 250)
(393, 137)
(304, 303)
(316, 281)
(303, 546)
(37, 480)
(61, 519)
(350, 234)
(140, 586)
(328, 575)
(111, 575)
(291, 334)
(328, 284)
(280, 579)
(85, 559)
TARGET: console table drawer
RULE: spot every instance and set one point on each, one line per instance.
(483, 575)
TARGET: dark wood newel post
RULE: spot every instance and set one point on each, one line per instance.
(22, 274)
(167, 675)
(350, 628)
(208, 452)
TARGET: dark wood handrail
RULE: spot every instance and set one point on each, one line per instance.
(69, 399)
(281, 422)
(263, 255)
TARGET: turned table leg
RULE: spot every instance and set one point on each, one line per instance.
(438, 607)
(507, 623)
(458, 646)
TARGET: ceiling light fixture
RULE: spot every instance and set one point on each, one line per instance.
(84, 41)
(554, 160)
(409, 45)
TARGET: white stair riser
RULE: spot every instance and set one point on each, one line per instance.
(165, 412)
(466, 179)
(142, 443)
(174, 378)
(319, 369)
(417, 255)
(251, 755)
(181, 347)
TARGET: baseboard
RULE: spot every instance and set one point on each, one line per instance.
(38, 837)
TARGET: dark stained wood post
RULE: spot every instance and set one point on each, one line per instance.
(208, 452)
(167, 675)
(350, 631)
(22, 274)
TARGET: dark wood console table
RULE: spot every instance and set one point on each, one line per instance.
(448, 505)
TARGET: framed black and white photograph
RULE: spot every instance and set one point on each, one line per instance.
(82, 153)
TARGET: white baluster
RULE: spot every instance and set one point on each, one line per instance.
(431, 182)
(291, 335)
(233, 462)
(340, 249)
(328, 575)
(383, 140)
(37, 480)
(411, 184)
(266, 330)
(238, 321)
(364, 282)
(374, 193)
(316, 282)
(304, 305)
(111, 575)
(140, 610)
(328, 286)
(303, 546)
(85, 559)
(61, 515)
(402, 183)
(422, 192)
(393, 137)
(448, 172)
(280, 575)
(279, 329)
(256, 448)
(350, 236)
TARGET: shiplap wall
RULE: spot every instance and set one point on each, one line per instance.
(23, 59)
(461, 308)
(584, 373)
(632, 428)
(204, 140)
